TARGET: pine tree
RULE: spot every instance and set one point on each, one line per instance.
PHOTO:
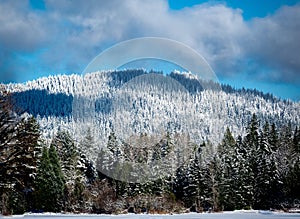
(67, 153)
(49, 183)
(195, 178)
(239, 172)
(86, 148)
(296, 141)
(19, 139)
(44, 183)
(249, 159)
(267, 188)
(273, 138)
(112, 145)
(88, 143)
(213, 178)
(111, 165)
(109, 157)
(228, 184)
(292, 180)
(73, 167)
(292, 183)
(90, 172)
(59, 179)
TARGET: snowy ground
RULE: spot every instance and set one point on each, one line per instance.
(225, 215)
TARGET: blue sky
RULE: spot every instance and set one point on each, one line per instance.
(248, 43)
(250, 8)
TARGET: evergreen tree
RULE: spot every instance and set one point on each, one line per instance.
(73, 168)
(90, 172)
(196, 185)
(249, 157)
(267, 190)
(110, 165)
(292, 180)
(296, 141)
(68, 155)
(228, 184)
(240, 170)
(108, 157)
(49, 183)
(292, 183)
(88, 143)
(19, 139)
(213, 178)
(112, 145)
(86, 148)
(44, 182)
(181, 183)
(273, 138)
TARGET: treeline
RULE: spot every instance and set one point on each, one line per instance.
(57, 93)
(260, 170)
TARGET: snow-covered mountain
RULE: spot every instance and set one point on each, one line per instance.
(133, 102)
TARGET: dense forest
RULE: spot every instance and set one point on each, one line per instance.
(256, 170)
(130, 102)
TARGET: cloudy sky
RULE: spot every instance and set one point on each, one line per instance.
(250, 43)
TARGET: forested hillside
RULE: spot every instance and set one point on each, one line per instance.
(132, 102)
(127, 141)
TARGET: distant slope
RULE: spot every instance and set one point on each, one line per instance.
(156, 105)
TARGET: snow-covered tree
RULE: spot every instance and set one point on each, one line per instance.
(229, 160)
(49, 182)
(73, 166)
(267, 180)
(19, 140)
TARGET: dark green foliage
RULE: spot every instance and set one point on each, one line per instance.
(19, 139)
(16, 202)
(74, 165)
(267, 179)
(273, 138)
(293, 181)
(84, 164)
(229, 187)
(260, 170)
(296, 141)
(67, 152)
(242, 174)
(50, 184)
(90, 172)
(112, 145)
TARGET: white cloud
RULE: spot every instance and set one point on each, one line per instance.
(213, 30)
(20, 29)
(274, 41)
(75, 31)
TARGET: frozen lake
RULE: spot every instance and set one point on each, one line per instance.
(231, 215)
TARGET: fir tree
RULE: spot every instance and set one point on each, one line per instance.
(49, 182)
(86, 148)
(267, 177)
(73, 167)
(292, 180)
(59, 178)
(213, 178)
(249, 157)
(296, 141)
(292, 183)
(68, 155)
(19, 140)
(228, 184)
(273, 138)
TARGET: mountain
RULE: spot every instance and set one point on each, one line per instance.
(134, 102)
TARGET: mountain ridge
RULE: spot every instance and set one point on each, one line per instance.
(204, 113)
